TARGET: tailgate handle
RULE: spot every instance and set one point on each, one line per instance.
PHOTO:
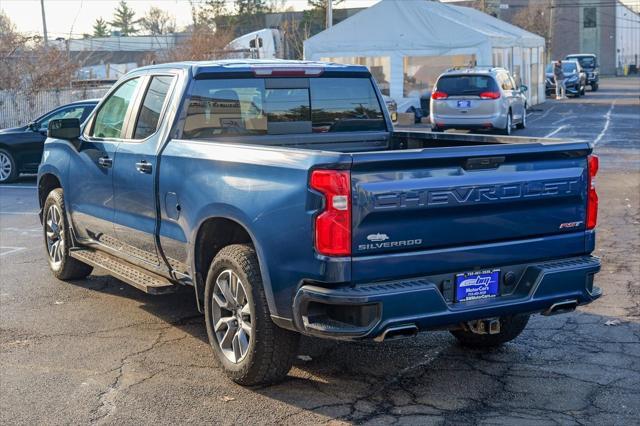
(483, 163)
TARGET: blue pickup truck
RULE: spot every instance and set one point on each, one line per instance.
(281, 193)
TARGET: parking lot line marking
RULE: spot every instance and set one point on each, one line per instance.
(606, 123)
(544, 114)
(18, 187)
(25, 213)
(10, 250)
(559, 129)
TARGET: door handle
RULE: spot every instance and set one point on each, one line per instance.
(144, 166)
(105, 162)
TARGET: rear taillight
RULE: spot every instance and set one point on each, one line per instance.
(593, 163)
(439, 95)
(490, 95)
(333, 224)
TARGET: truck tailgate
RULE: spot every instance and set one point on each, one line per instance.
(439, 198)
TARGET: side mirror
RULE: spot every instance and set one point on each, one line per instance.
(33, 126)
(64, 128)
(523, 88)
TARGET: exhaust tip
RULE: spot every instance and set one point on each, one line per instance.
(399, 332)
(561, 308)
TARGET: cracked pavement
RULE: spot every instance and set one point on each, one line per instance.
(99, 351)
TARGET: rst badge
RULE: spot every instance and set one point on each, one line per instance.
(570, 225)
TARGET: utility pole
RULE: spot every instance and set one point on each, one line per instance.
(329, 14)
(552, 7)
(44, 23)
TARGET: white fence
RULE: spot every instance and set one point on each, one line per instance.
(18, 108)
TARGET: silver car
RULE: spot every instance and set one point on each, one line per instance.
(478, 98)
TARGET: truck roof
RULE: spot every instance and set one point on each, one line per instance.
(251, 65)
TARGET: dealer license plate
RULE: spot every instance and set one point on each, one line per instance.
(464, 104)
(477, 285)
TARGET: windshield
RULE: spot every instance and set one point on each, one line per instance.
(585, 61)
(255, 106)
(457, 85)
(567, 68)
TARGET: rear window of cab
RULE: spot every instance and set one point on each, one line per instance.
(255, 106)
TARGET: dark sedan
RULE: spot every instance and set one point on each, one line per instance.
(588, 62)
(575, 79)
(21, 147)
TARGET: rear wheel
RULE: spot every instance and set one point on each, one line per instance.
(57, 240)
(523, 123)
(507, 130)
(8, 167)
(510, 328)
(251, 349)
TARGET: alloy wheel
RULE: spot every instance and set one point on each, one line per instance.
(231, 312)
(54, 235)
(5, 167)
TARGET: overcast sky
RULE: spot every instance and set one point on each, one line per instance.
(77, 16)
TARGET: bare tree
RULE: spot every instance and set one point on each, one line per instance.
(294, 33)
(536, 18)
(203, 44)
(157, 22)
(27, 65)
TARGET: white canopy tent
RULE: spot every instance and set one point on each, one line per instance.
(407, 43)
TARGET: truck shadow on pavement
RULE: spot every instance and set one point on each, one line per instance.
(574, 368)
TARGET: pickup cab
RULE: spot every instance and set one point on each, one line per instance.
(280, 192)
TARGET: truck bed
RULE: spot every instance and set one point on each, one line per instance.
(383, 141)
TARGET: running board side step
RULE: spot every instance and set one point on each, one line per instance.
(124, 271)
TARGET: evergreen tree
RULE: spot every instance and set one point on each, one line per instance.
(100, 28)
(251, 7)
(123, 19)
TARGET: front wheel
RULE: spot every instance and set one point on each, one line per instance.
(510, 328)
(8, 168)
(57, 239)
(251, 349)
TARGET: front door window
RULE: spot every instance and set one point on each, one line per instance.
(109, 121)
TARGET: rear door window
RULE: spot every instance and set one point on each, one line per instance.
(254, 106)
(154, 99)
(461, 85)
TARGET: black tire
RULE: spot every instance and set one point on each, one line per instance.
(67, 268)
(523, 123)
(271, 349)
(509, 127)
(9, 172)
(594, 87)
(510, 328)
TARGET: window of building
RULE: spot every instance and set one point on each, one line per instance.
(589, 17)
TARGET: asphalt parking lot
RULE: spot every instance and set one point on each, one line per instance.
(100, 351)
